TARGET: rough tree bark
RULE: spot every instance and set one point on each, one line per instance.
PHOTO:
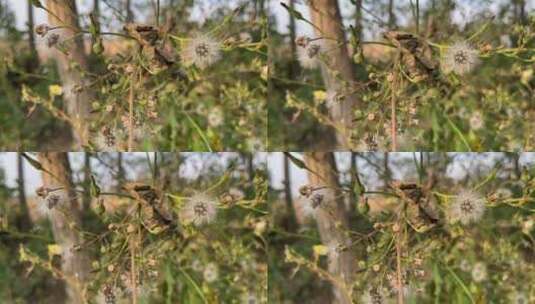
(332, 223)
(31, 36)
(120, 173)
(292, 220)
(24, 221)
(391, 15)
(358, 18)
(129, 12)
(293, 47)
(87, 182)
(96, 8)
(325, 15)
(77, 102)
(75, 263)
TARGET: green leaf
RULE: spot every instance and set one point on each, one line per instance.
(37, 3)
(296, 161)
(34, 163)
(293, 12)
(94, 189)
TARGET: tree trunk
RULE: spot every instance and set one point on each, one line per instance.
(293, 47)
(31, 37)
(292, 220)
(333, 223)
(75, 263)
(87, 182)
(96, 8)
(386, 168)
(77, 101)
(129, 13)
(325, 15)
(120, 172)
(24, 221)
(391, 15)
(358, 18)
(353, 171)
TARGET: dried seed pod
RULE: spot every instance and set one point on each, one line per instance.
(155, 215)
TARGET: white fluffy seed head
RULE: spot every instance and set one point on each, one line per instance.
(517, 297)
(199, 210)
(479, 272)
(476, 121)
(309, 55)
(202, 51)
(249, 298)
(210, 272)
(504, 193)
(374, 296)
(460, 58)
(468, 207)
(52, 201)
(322, 198)
(215, 117)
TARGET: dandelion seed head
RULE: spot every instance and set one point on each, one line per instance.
(109, 292)
(479, 272)
(309, 55)
(307, 210)
(246, 37)
(460, 58)
(106, 139)
(201, 51)
(504, 193)
(52, 40)
(210, 272)
(42, 29)
(199, 210)
(322, 198)
(255, 144)
(374, 296)
(468, 207)
(196, 265)
(249, 298)
(476, 121)
(334, 249)
(465, 265)
(215, 117)
(52, 200)
(517, 297)
(237, 194)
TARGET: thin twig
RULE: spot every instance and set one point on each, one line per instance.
(131, 116)
(398, 262)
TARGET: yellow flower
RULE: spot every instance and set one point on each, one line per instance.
(55, 90)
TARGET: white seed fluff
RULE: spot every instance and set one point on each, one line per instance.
(199, 210)
(468, 207)
(479, 272)
(460, 58)
(476, 121)
(201, 51)
(53, 200)
(374, 296)
(249, 298)
(215, 117)
(309, 56)
(210, 272)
